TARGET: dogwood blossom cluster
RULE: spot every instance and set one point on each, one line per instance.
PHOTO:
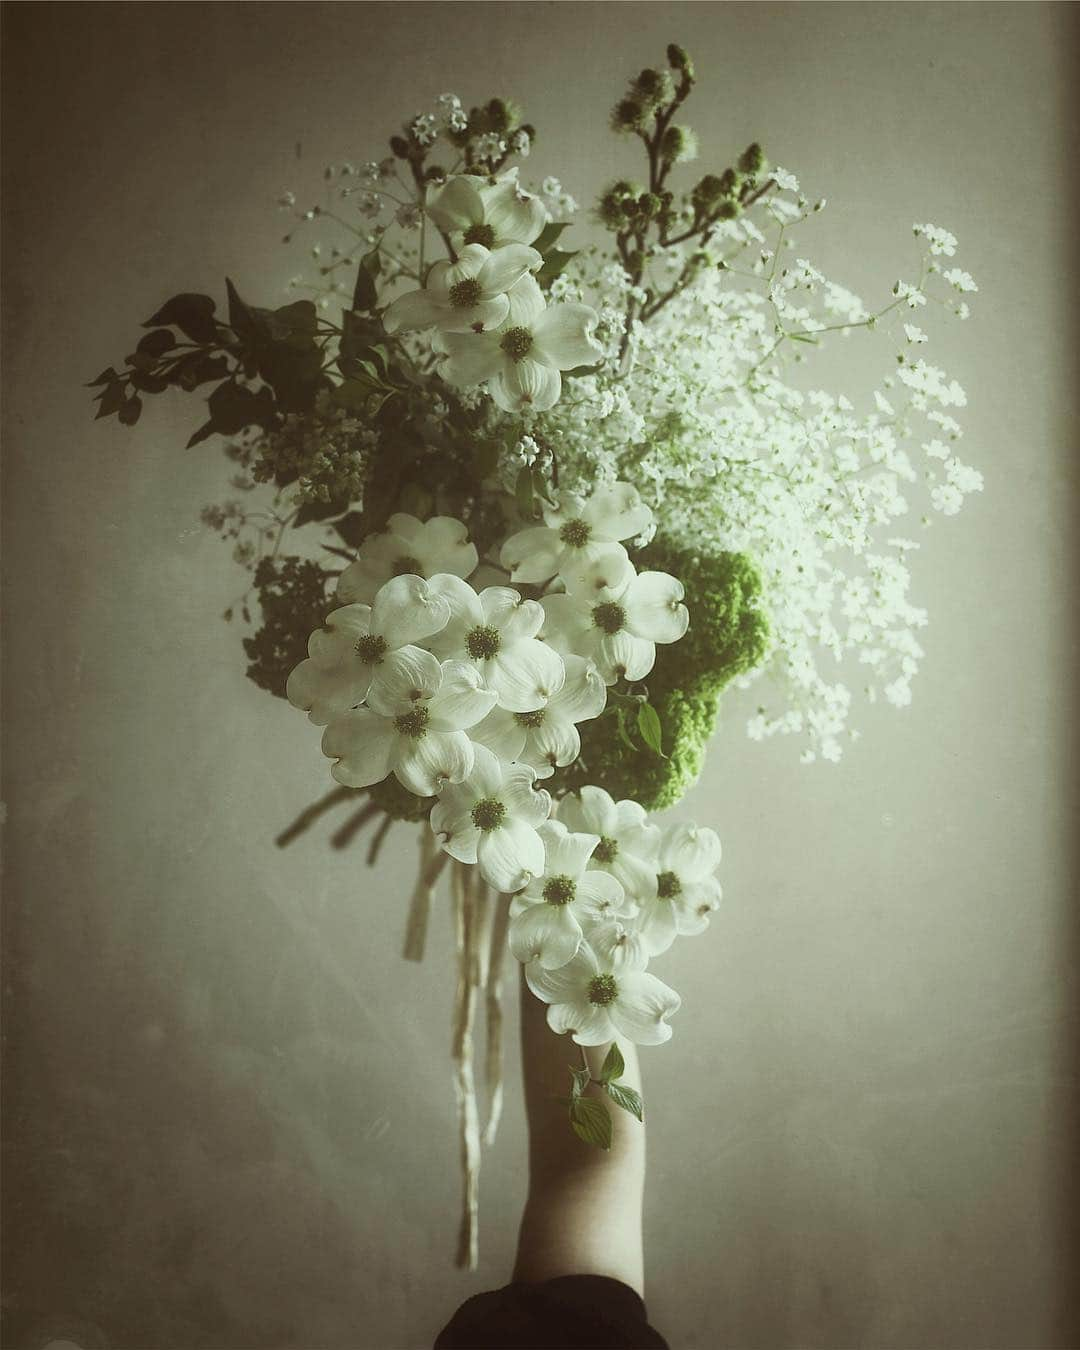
(473, 697)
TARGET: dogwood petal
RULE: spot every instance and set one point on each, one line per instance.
(618, 948)
(462, 699)
(513, 215)
(546, 933)
(327, 693)
(452, 822)
(691, 851)
(587, 1023)
(525, 675)
(527, 302)
(522, 797)
(568, 983)
(468, 264)
(506, 266)
(555, 743)
(657, 926)
(413, 311)
(446, 547)
(457, 205)
(500, 733)
(471, 358)
(617, 512)
(599, 896)
(597, 574)
(363, 745)
(476, 320)
(622, 655)
(566, 623)
(486, 779)
(403, 678)
(406, 610)
(590, 809)
(635, 874)
(566, 853)
(516, 619)
(695, 903)
(426, 764)
(641, 1008)
(330, 645)
(583, 695)
(361, 579)
(654, 609)
(532, 554)
(510, 855)
(525, 384)
(562, 337)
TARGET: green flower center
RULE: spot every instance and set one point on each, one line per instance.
(607, 850)
(370, 648)
(668, 885)
(610, 617)
(576, 533)
(413, 723)
(488, 813)
(483, 642)
(560, 890)
(603, 990)
(465, 294)
(407, 566)
(530, 719)
(480, 234)
(516, 343)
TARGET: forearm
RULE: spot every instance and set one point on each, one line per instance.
(583, 1213)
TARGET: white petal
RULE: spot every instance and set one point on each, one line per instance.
(363, 745)
(513, 214)
(406, 610)
(617, 512)
(653, 608)
(509, 856)
(583, 695)
(414, 310)
(623, 656)
(466, 613)
(590, 809)
(568, 983)
(406, 527)
(532, 554)
(657, 926)
(696, 902)
(486, 779)
(691, 851)
(425, 765)
(472, 358)
(446, 547)
(563, 337)
(546, 933)
(525, 675)
(362, 579)
(618, 948)
(330, 645)
(599, 896)
(327, 693)
(526, 384)
(403, 678)
(555, 743)
(500, 733)
(588, 1023)
(629, 814)
(526, 302)
(507, 265)
(597, 574)
(452, 823)
(566, 622)
(457, 205)
(522, 797)
(462, 699)
(516, 619)
(636, 875)
(468, 264)
(566, 853)
(642, 1007)
(473, 320)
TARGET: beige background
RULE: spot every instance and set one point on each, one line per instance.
(229, 1111)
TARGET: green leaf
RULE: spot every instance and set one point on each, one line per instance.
(621, 732)
(548, 235)
(298, 318)
(365, 294)
(317, 511)
(613, 1065)
(649, 728)
(627, 1098)
(582, 370)
(582, 1078)
(524, 491)
(156, 343)
(350, 528)
(802, 337)
(192, 314)
(591, 1121)
(554, 264)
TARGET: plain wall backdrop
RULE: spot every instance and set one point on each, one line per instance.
(229, 1115)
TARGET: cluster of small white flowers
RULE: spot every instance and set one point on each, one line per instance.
(474, 697)
(734, 456)
(451, 113)
(559, 201)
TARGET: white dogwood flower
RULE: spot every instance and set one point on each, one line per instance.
(407, 546)
(547, 737)
(491, 819)
(414, 727)
(548, 918)
(576, 532)
(616, 616)
(496, 630)
(473, 210)
(521, 362)
(360, 647)
(629, 845)
(466, 296)
(684, 892)
(595, 1002)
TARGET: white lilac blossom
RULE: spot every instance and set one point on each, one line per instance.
(549, 917)
(473, 210)
(684, 891)
(629, 845)
(465, 296)
(547, 738)
(496, 631)
(522, 361)
(578, 530)
(407, 545)
(414, 727)
(616, 616)
(491, 819)
(597, 1001)
(365, 647)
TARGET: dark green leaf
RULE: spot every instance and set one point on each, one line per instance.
(621, 732)
(649, 729)
(485, 458)
(802, 337)
(591, 1121)
(339, 552)
(365, 295)
(192, 314)
(554, 264)
(130, 410)
(582, 370)
(524, 491)
(300, 317)
(581, 1078)
(317, 511)
(242, 318)
(613, 1065)
(627, 1098)
(350, 528)
(103, 378)
(156, 343)
(548, 235)
(206, 430)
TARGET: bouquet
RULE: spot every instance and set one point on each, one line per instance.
(516, 511)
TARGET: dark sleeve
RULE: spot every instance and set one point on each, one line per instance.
(572, 1312)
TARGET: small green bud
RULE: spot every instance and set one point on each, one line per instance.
(708, 191)
(728, 209)
(628, 115)
(678, 59)
(650, 205)
(435, 173)
(752, 159)
(653, 87)
(498, 114)
(629, 207)
(678, 145)
(400, 146)
(729, 181)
